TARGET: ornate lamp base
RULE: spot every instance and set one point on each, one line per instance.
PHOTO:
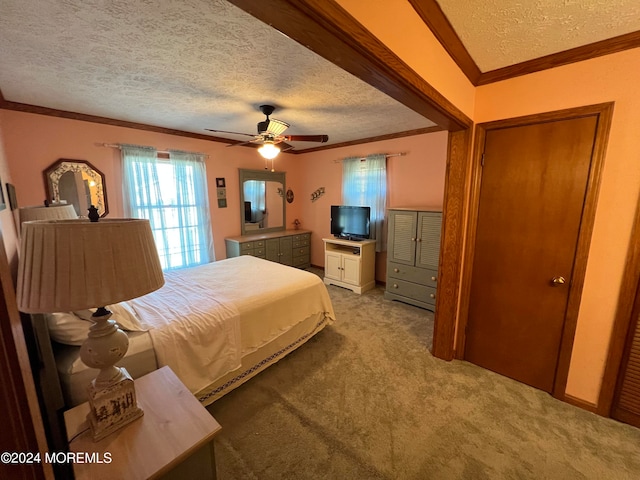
(112, 406)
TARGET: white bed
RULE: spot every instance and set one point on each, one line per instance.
(215, 325)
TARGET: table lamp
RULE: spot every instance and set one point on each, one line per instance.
(70, 265)
(48, 212)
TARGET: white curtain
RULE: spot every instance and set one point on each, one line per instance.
(364, 183)
(173, 196)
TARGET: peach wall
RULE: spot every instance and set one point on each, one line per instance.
(400, 28)
(414, 179)
(604, 79)
(7, 217)
(609, 78)
(33, 142)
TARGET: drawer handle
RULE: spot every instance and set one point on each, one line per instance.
(413, 239)
(396, 270)
(434, 279)
(432, 295)
(395, 285)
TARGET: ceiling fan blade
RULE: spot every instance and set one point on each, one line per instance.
(232, 133)
(240, 144)
(307, 138)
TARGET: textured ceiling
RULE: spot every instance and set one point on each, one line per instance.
(186, 65)
(196, 64)
(499, 33)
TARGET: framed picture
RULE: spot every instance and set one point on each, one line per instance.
(11, 193)
(3, 205)
(222, 192)
(222, 203)
(220, 183)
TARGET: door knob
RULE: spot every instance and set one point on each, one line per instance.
(557, 281)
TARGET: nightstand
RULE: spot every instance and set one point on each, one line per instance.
(173, 439)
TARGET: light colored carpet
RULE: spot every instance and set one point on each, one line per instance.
(364, 399)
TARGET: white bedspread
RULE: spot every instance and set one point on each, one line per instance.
(205, 318)
(193, 331)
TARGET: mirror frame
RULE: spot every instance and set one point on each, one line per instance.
(279, 177)
(54, 171)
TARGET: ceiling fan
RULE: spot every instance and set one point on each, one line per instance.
(270, 134)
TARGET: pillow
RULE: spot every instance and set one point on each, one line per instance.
(72, 328)
(123, 314)
(67, 328)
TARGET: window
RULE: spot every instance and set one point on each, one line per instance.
(364, 183)
(172, 195)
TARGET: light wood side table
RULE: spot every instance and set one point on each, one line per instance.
(173, 439)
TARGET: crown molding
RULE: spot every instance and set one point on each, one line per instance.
(433, 16)
(573, 55)
(52, 112)
(379, 138)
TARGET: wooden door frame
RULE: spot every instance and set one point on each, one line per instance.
(625, 339)
(627, 311)
(604, 112)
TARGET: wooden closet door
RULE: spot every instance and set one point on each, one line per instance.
(626, 401)
(533, 188)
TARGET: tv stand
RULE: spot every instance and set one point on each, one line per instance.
(350, 238)
(350, 263)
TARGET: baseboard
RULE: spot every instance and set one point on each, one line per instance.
(576, 402)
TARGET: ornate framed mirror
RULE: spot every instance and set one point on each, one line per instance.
(262, 201)
(76, 182)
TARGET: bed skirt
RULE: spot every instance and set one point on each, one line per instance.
(258, 360)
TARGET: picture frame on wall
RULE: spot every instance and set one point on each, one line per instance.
(11, 193)
(3, 204)
(220, 182)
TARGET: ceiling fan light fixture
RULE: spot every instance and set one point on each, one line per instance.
(276, 127)
(269, 151)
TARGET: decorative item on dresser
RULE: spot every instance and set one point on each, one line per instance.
(413, 251)
(350, 263)
(73, 265)
(289, 247)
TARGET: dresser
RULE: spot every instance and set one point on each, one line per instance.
(413, 251)
(289, 247)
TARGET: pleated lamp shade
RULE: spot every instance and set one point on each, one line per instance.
(68, 265)
(52, 212)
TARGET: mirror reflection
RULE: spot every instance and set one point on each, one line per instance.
(78, 183)
(262, 201)
(263, 204)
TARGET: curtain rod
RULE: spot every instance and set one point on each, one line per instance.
(401, 154)
(163, 152)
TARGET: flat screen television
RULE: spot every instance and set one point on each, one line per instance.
(350, 222)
